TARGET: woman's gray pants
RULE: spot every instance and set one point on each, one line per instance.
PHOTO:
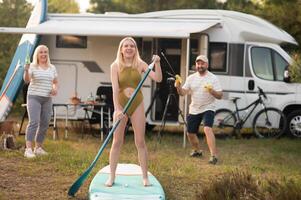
(39, 113)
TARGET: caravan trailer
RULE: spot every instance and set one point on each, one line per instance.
(244, 52)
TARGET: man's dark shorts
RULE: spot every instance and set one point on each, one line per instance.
(194, 121)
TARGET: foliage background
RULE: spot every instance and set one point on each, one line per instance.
(15, 13)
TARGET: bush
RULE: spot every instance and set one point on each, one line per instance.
(239, 185)
(295, 69)
(234, 185)
(284, 190)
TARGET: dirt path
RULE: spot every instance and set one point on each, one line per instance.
(24, 179)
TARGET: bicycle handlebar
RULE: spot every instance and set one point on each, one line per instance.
(261, 92)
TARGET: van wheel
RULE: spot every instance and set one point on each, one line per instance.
(294, 123)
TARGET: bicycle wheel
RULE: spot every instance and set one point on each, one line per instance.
(269, 123)
(224, 121)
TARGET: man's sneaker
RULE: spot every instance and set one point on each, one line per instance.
(29, 153)
(213, 160)
(196, 153)
(39, 151)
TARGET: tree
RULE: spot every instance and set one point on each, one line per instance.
(12, 13)
(139, 6)
(15, 13)
(295, 69)
(284, 14)
(66, 6)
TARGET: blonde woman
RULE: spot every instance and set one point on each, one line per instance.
(42, 78)
(126, 72)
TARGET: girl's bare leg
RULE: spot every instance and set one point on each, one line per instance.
(138, 123)
(118, 137)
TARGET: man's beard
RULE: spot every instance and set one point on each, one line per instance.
(202, 70)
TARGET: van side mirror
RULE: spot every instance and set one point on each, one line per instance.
(286, 75)
(251, 85)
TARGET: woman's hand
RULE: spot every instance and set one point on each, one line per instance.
(118, 115)
(26, 75)
(26, 67)
(156, 59)
(53, 92)
(157, 74)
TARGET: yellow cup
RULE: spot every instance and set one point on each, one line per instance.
(208, 87)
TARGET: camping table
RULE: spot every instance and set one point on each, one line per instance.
(54, 107)
(90, 108)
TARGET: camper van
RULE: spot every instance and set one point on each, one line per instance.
(244, 51)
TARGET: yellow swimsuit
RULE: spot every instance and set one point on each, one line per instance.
(129, 77)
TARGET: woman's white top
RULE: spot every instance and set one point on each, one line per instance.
(41, 80)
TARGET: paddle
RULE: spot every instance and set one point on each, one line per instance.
(78, 183)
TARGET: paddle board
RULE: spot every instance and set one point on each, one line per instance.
(14, 78)
(128, 185)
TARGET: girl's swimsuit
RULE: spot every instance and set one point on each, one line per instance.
(129, 77)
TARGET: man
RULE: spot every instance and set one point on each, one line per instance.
(204, 88)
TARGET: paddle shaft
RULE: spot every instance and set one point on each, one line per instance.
(78, 183)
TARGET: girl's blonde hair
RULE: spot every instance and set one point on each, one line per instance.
(119, 57)
(35, 61)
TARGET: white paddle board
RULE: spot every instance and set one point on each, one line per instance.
(14, 78)
(127, 186)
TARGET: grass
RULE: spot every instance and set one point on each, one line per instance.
(275, 164)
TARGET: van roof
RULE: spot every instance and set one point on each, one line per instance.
(166, 24)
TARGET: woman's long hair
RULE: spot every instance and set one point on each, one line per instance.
(119, 57)
(35, 61)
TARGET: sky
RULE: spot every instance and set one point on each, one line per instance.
(84, 4)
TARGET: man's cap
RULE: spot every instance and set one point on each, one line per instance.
(202, 57)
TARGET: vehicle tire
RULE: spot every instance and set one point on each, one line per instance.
(269, 123)
(224, 121)
(294, 123)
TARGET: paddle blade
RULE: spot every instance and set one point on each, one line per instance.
(78, 183)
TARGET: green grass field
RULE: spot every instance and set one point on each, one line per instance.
(247, 168)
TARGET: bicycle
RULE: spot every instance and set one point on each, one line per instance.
(269, 122)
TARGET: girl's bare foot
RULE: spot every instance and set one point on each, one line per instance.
(109, 183)
(146, 182)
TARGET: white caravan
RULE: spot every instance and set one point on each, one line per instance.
(244, 51)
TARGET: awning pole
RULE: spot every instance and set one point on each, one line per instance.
(186, 97)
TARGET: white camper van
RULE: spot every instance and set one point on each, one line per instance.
(243, 50)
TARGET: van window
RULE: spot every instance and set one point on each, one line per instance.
(267, 63)
(262, 63)
(280, 65)
(217, 57)
(71, 41)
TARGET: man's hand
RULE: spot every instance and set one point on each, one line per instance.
(208, 87)
(178, 81)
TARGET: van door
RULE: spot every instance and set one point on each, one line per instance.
(266, 64)
(67, 79)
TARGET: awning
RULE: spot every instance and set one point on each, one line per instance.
(163, 28)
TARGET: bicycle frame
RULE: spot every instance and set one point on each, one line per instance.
(264, 124)
(239, 121)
